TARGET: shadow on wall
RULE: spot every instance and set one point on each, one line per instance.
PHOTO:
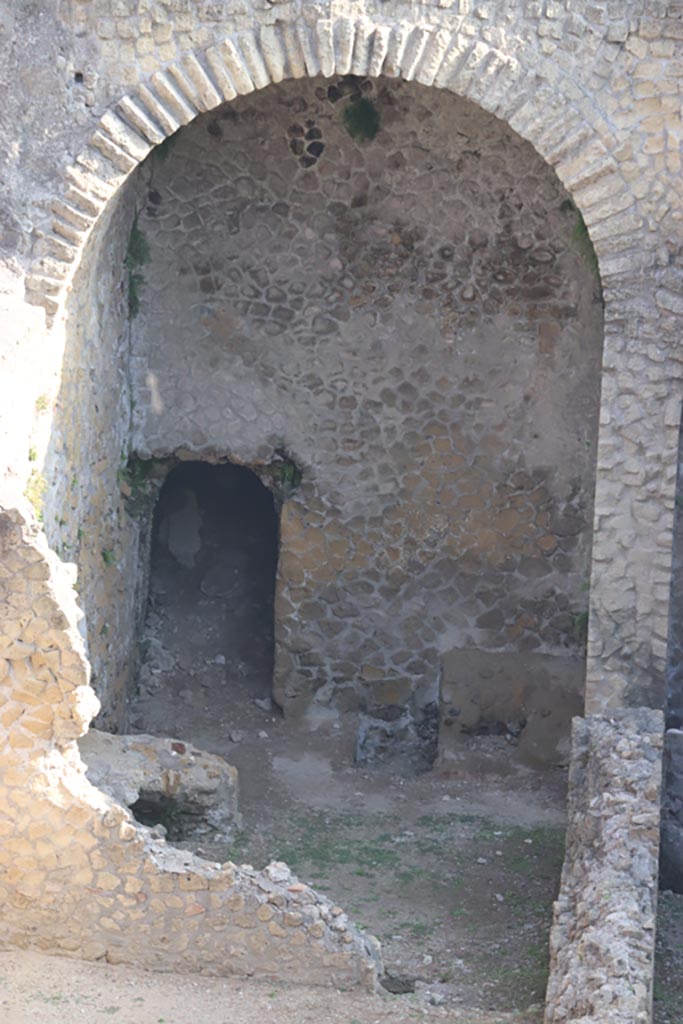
(212, 581)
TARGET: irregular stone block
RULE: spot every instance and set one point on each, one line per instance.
(185, 789)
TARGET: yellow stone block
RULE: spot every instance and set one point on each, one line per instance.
(106, 881)
(72, 857)
(192, 883)
(20, 741)
(82, 877)
(23, 695)
(21, 798)
(32, 882)
(37, 727)
(10, 714)
(37, 830)
(193, 909)
(162, 883)
(109, 924)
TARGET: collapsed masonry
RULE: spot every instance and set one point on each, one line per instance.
(79, 875)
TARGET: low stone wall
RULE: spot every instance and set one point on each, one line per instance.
(602, 939)
(78, 876)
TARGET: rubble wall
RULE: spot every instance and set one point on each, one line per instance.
(82, 465)
(78, 876)
(598, 99)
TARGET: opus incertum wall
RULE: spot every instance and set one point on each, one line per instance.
(597, 94)
(413, 321)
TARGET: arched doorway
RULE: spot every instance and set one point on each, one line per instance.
(390, 285)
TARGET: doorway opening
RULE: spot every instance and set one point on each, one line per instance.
(207, 642)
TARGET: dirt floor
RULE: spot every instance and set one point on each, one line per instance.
(37, 989)
(454, 871)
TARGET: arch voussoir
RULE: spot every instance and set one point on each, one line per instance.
(344, 37)
(535, 107)
(170, 95)
(431, 59)
(130, 109)
(273, 50)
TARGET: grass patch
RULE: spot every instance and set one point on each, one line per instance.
(140, 481)
(283, 475)
(34, 492)
(413, 881)
(581, 237)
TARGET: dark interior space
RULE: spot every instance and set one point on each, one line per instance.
(671, 846)
(207, 641)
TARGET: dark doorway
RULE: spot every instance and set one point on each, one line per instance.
(208, 637)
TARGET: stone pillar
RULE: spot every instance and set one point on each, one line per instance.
(603, 934)
(633, 525)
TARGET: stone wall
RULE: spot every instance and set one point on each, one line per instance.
(78, 876)
(83, 509)
(415, 320)
(597, 97)
(90, 87)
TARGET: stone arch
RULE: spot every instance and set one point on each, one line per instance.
(545, 107)
(563, 122)
(542, 105)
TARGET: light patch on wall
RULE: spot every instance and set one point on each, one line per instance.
(155, 397)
